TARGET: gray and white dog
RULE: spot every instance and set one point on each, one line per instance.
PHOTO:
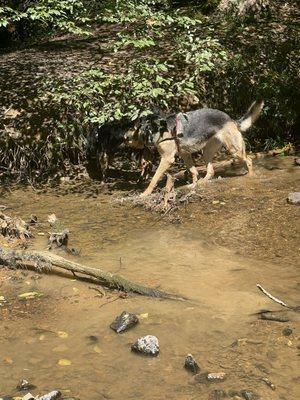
(205, 129)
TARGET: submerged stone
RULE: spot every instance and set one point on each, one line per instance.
(212, 377)
(55, 394)
(147, 345)
(216, 376)
(25, 385)
(269, 383)
(191, 364)
(294, 198)
(124, 322)
(249, 395)
(287, 331)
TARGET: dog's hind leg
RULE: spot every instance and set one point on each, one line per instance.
(235, 144)
(209, 151)
(189, 162)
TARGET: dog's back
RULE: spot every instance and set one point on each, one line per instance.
(195, 128)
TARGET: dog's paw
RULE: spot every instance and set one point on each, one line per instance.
(144, 194)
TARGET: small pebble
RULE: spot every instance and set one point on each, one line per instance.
(294, 198)
(124, 322)
(269, 383)
(55, 394)
(216, 376)
(248, 395)
(147, 345)
(25, 385)
(191, 364)
(287, 331)
(28, 396)
(211, 377)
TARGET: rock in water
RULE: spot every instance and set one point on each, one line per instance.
(191, 364)
(249, 395)
(25, 385)
(213, 377)
(287, 331)
(269, 383)
(28, 396)
(55, 394)
(294, 198)
(216, 376)
(124, 322)
(147, 345)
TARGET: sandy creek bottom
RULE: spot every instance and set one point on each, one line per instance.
(223, 297)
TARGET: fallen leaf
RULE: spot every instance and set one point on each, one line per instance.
(143, 316)
(30, 295)
(97, 349)
(62, 334)
(2, 298)
(8, 360)
(42, 337)
(63, 362)
(215, 202)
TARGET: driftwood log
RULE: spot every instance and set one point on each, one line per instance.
(44, 260)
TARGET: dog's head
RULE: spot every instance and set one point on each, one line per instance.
(144, 131)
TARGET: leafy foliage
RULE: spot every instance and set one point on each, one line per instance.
(65, 15)
(158, 57)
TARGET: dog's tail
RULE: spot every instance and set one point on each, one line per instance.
(251, 115)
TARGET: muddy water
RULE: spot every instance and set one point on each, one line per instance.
(223, 297)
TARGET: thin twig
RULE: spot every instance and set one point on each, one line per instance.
(272, 297)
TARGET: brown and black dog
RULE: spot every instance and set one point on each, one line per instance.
(181, 134)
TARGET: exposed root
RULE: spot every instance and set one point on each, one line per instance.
(14, 227)
(165, 201)
(45, 260)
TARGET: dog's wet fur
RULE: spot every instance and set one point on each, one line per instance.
(182, 135)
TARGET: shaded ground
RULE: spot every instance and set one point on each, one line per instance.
(216, 256)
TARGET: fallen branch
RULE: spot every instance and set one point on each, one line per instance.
(43, 260)
(275, 298)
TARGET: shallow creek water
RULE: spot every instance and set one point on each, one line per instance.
(223, 297)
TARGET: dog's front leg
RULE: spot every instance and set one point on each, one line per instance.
(164, 165)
